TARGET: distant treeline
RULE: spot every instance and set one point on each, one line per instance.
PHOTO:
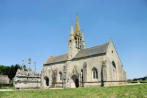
(141, 79)
(10, 70)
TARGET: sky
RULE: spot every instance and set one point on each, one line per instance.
(38, 29)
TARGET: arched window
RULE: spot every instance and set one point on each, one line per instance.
(94, 73)
(60, 73)
(113, 63)
(114, 73)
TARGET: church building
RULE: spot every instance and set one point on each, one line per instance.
(83, 67)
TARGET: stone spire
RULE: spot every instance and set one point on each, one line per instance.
(72, 33)
(79, 37)
(77, 25)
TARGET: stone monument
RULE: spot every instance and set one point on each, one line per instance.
(27, 79)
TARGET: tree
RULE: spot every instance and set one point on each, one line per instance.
(9, 70)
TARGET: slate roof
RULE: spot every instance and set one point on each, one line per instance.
(99, 49)
(56, 59)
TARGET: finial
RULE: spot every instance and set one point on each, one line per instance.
(34, 67)
(83, 42)
(23, 65)
(29, 63)
(77, 24)
(110, 40)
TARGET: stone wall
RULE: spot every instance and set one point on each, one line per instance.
(112, 56)
(72, 68)
(108, 65)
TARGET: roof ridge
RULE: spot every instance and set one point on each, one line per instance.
(98, 49)
(61, 55)
(96, 46)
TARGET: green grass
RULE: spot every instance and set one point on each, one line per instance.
(130, 91)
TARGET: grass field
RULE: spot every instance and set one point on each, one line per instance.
(130, 91)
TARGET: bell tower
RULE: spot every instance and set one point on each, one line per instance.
(72, 50)
(79, 37)
(76, 41)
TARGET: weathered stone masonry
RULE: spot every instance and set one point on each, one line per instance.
(81, 67)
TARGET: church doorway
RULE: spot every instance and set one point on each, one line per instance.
(76, 80)
(46, 81)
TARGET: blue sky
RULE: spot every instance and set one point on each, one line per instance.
(38, 29)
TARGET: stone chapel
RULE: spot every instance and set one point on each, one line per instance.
(81, 66)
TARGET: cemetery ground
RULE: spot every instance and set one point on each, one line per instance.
(127, 91)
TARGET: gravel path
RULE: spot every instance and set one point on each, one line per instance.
(6, 90)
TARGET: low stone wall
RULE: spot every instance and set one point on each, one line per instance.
(28, 85)
(91, 84)
(114, 83)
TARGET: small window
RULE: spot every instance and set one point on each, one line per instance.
(94, 73)
(112, 51)
(81, 70)
(113, 63)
